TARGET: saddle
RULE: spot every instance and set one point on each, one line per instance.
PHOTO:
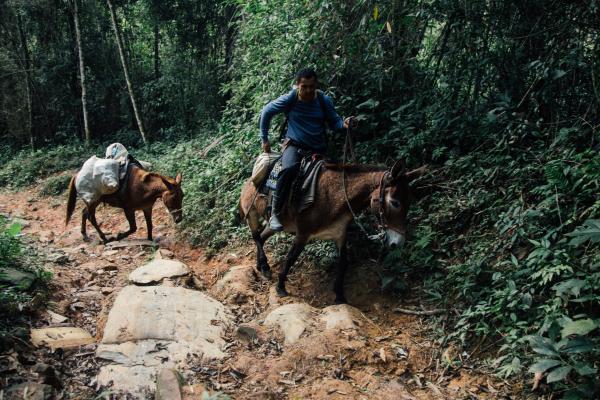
(125, 172)
(304, 186)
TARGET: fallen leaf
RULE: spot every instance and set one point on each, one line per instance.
(382, 354)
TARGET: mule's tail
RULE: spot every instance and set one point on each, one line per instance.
(72, 200)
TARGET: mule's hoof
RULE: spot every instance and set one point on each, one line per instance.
(266, 272)
(282, 292)
(87, 239)
(109, 239)
(340, 300)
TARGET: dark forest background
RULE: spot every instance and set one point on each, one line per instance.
(501, 98)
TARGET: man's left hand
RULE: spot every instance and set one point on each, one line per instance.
(350, 122)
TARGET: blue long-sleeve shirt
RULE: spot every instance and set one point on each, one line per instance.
(305, 119)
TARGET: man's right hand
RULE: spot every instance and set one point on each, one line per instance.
(266, 146)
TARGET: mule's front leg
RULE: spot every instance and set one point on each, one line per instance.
(262, 263)
(292, 256)
(341, 272)
(148, 216)
(130, 215)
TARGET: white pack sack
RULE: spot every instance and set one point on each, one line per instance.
(96, 178)
(261, 167)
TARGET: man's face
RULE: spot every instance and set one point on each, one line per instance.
(307, 88)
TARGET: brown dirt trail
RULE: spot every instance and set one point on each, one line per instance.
(389, 356)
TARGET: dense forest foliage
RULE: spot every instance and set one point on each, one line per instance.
(500, 98)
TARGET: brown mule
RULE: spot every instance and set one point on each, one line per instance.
(143, 189)
(385, 192)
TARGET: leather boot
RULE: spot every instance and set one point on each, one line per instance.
(274, 222)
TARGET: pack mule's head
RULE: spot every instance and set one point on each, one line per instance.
(173, 198)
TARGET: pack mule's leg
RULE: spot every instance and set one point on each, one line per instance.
(338, 287)
(84, 218)
(293, 254)
(92, 217)
(130, 215)
(148, 216)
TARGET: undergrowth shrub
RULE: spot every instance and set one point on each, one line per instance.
(24, 167)
(56, 185)
(13, 256)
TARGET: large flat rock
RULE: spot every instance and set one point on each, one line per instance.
(60, 337)
(236, 285)
(157, 270)
(341, 317)
(138, 380)
(299, 319)
(292, 320)
(170, 314)
(154, 327)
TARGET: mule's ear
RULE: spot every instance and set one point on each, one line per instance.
(416, 173)
(398, 168)
(168, 184)
(178, 178)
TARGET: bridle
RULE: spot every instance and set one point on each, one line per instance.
(382, 223)
(385, 178)
(172, 212)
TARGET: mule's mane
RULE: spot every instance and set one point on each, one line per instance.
(356, 167)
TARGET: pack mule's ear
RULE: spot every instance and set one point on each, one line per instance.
(168, 183)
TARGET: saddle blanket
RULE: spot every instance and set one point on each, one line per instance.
(304, 188)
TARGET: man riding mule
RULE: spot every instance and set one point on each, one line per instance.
(341, 190)
(307, 111)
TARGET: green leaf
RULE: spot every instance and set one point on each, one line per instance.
(369, 104)
(571, 286)
(14, 229)
(558, 73)
(542, 346)
(558, 374)
(580, 327)
(386, 281)
(578, 345)
(590, 230)
(544, 365)
(585, 369)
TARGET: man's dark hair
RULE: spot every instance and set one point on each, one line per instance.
(306, 73)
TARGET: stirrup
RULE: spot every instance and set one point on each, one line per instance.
(275, 224)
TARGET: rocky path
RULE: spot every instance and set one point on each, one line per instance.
(165, 312)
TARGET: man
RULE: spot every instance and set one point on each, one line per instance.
(307, 112)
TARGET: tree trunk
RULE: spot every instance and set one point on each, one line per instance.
(156, 56)
(88, 135)
(28, 85)
(125, 70)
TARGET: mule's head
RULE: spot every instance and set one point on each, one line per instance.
(391, 200)
(173, 198)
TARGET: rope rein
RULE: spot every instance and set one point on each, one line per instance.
(348, 146)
